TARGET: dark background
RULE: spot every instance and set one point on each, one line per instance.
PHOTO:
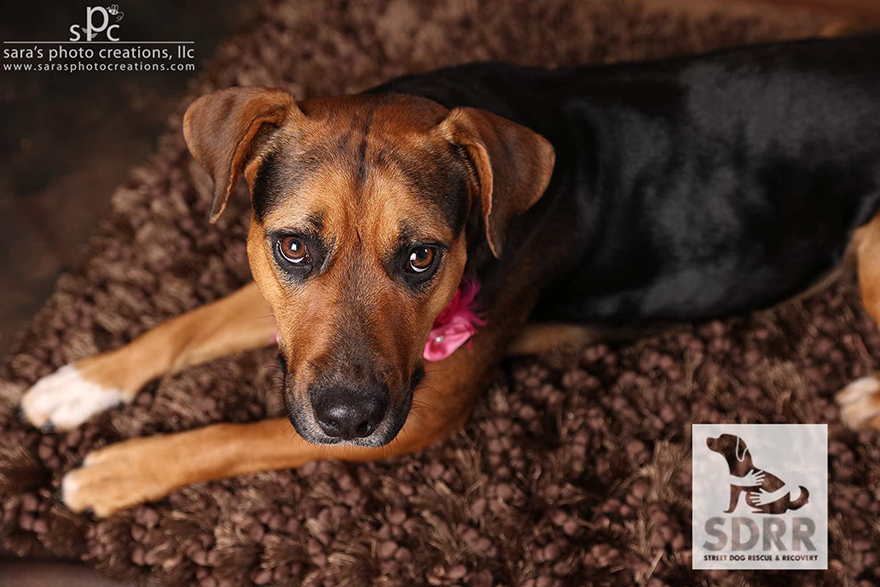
(67, 140)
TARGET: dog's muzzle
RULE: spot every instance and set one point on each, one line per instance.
(364, 414)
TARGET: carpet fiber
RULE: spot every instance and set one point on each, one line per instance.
(574, 468)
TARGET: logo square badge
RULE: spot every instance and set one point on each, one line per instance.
(760, 496)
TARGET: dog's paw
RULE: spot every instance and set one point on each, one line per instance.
(860, 403)
(65, 399)
(118, 477)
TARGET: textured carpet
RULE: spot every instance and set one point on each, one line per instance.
(573, 470)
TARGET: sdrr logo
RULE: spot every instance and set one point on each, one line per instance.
(98, 20)
(760, 496)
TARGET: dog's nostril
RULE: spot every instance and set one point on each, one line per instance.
(330, 428)
(347, 416)
(364, 429)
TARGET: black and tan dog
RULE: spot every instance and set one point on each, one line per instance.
(683, 189)
(768, 494)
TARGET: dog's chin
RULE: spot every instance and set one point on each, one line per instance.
(307, 427)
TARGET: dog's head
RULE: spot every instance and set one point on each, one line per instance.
(362, 207)
(733, 449)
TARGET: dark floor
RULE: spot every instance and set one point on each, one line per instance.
(23, 573)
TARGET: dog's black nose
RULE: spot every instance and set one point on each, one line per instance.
(346, 415)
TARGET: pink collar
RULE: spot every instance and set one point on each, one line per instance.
(456, 324)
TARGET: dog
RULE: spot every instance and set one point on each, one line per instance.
(577, 200)
(767, 486)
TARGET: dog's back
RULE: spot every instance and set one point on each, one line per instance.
(738, 181)
(738, 176)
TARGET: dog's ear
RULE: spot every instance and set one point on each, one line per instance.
(220, 128)
(741, 449)
(513, 165)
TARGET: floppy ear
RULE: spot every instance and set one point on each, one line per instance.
(740, 455)
(513, 166)
(219, 129)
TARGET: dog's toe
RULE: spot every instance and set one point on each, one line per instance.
(860, 403)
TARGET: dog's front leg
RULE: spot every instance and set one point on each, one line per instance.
(68, 397)
(124, 474)
(734, 498)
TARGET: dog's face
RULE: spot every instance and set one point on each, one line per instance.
(358, 236)
(732, 448)
(357, 242)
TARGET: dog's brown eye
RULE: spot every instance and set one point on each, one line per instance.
(421, 259)
(294, 249)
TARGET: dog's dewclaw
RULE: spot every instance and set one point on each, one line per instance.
(65, 399)
(860, 402)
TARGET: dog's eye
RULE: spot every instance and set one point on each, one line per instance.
(294, 250)
(421, 259)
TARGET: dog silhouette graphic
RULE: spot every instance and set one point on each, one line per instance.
(765, 492)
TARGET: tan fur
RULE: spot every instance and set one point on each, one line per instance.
(220, 128)
(238, 322)
(524, 176)
(866, 244)
(860, 401)
(537, 338)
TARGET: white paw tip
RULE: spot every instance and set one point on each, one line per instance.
(65, 399)
(859, 402)
(858, 389)
(69, 487)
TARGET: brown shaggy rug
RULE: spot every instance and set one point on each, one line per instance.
(573, 470)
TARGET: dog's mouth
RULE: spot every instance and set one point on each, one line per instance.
(305, 420)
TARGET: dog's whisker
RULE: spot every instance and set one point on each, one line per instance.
(419, 419)
(262, 317)
(432, 390)
(419, 404)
